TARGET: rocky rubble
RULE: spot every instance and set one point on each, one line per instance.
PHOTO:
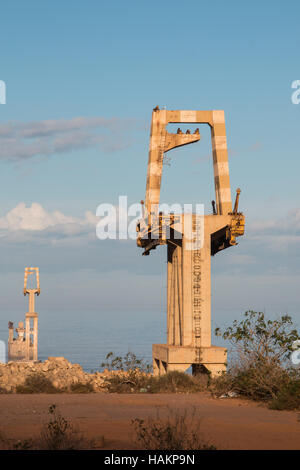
(62, 373)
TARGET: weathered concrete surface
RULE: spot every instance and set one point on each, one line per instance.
(228, 423)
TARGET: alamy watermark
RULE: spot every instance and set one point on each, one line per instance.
(2, 92)
(166, 221)
(295, 356)
(296, 94)
(2, 351)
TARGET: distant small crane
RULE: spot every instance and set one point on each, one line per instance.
(25, 346)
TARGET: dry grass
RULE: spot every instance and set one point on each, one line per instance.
(135, 381)
(175, 432)
(275, 385)
(58, 433)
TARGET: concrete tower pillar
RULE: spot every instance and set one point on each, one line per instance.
(35, 338)
(31, 316)
(10, 331)
(27, 337)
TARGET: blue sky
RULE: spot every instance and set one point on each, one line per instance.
(109, 64)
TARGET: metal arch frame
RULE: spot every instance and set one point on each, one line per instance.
(162, 141)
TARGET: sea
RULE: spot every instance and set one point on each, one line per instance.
(86, 337)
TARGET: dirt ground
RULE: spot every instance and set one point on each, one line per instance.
(226, 423)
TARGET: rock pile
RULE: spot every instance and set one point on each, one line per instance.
(58, 370)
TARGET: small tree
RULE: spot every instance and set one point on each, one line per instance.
(128, 373)
(260, 340)
(262, 348)
(127, 363)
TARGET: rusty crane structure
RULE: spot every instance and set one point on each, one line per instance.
(191, 240)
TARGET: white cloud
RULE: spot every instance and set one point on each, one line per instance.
(21, 140)
(32, 218)
(34, 223)
(24, 223)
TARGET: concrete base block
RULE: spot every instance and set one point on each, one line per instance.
(167, 358)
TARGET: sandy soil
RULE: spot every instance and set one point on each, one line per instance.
(227, 423)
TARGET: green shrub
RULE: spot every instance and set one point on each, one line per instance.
(127, 363)
(222, 384)
(277, 386)
(81, 387)
(137, 382)
(260, 382)
(127, 382)
(174, 382)
(37, 383)
(129, 374)
(288, 398)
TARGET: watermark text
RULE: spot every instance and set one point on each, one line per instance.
(296, 94)
(2, 92)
